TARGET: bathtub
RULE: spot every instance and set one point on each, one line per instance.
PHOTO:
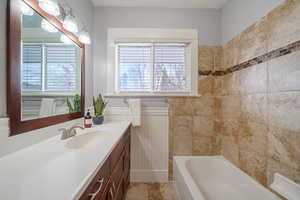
(215, 178)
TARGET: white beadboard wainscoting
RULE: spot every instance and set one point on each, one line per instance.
(149, 143)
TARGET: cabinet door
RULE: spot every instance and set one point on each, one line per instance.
(97, 187)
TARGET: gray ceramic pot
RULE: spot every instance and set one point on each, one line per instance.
(98, 120)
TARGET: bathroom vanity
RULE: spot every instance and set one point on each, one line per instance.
(94, 164)
(113, 178)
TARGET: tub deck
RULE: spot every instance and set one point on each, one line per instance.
(215, 178)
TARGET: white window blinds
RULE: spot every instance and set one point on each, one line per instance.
(152, 67)
(50, 67)
(135, 68)
(31, 72)
(61, 62)
(169, 68)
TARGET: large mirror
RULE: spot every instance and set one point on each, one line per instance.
(50, 70)
(45, 72)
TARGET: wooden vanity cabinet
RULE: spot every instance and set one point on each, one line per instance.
(112, 180)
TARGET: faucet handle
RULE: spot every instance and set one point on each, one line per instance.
(63, 129)
(65, 133)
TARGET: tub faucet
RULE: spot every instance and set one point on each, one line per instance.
(71, 132)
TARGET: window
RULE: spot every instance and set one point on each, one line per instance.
(151, 62)
(50, 68)
(152, 67)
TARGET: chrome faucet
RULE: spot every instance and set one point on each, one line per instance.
(71, 132)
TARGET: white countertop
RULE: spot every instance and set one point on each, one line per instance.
(58, 169)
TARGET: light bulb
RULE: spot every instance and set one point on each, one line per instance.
(50, 6)
(66, 39)
(47, 26)
(26, 10)
(70, 24)
(84, 37)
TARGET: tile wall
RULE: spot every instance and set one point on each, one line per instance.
(248, 114)
(192, 119)
(259, 115)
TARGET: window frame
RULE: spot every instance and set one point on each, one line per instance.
(152, 68)
(44, 76)
(150, 35)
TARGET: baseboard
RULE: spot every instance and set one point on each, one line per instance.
(158, 176)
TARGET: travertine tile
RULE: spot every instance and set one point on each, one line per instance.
(183, 125)
(231, 84)
(205, 58)
(209, 57)
(284, 73)
(182, 106)
(284, 146)
(152, 191)
(205, 85)
(284, 24)
(216, 145)
(231, 127)
(137, 191)
(203, 106)
(203, 126)
(254, 138)
(231, 107)
(183, 145)
(254, 108)
(230, 54)
(168, 191)
(284, 110)
(218, 86)
(255, 165)
(253, 79)
(202, 146)
(253, 41)
(230, 149)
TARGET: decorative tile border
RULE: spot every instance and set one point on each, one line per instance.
(260, 59)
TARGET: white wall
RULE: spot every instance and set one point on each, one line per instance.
(84, 10)
(207, 22)
(237, 15)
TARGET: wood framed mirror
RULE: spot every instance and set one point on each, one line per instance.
(45, 73)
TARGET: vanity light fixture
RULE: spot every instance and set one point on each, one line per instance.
(50, 6)
(70, 24)
(65, 39)
(26, 10)
(84, 37)
(47, 26)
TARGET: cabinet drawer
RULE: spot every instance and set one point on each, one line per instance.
(98, 184)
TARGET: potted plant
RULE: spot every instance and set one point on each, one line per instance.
(99, 106)
(74, 104)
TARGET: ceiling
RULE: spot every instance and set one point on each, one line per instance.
(162, 3)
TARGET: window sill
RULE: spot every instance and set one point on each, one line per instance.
(150, 95)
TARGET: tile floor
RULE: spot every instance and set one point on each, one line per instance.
(151, 191)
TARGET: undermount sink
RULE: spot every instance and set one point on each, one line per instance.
(81, 141)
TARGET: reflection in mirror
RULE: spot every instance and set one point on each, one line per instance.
(50, 70)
